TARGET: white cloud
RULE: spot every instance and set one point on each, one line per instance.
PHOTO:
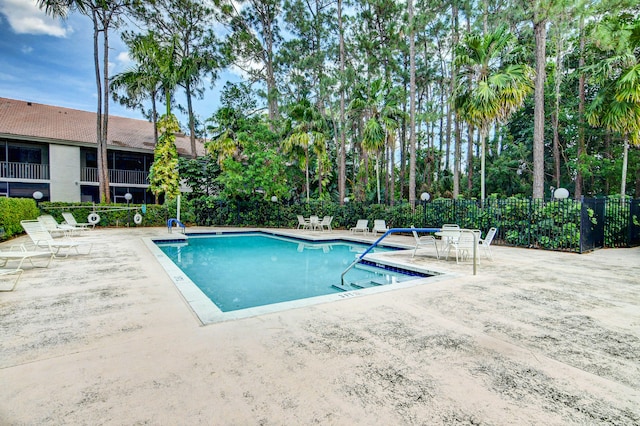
(26, 49)
(124, 58)
(26, 18)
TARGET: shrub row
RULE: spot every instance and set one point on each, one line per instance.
(12, 211)
(554, 225)
(110, 214)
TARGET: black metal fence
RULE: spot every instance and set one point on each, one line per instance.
(566, 225)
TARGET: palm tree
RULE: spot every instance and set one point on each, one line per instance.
(616, 105)
(105, 14)
(225, 141)
(378, 106)
(143, 80)
(307, 130)
(488, 91)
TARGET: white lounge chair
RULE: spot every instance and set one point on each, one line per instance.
(22, 255)
(361, 226)
(303, 223)
(54, 227)
(425, 240)
(71, 220)
(43, 239)
(379, 226)
(486, 242)
(6, 272)
(326, 222)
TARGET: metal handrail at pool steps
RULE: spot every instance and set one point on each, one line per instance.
(409, 230)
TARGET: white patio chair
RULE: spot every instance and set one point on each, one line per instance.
(448, 233)
(463, 245)
(326, 222)
(43, 239)
(379, 226)
(303, 223)
(361, 226)
(314, 222)
(425, 240)
(486, 242)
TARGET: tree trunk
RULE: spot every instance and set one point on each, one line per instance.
(192, 121)
(637, 192)
(540, 32)
(452, 85)
(105, 117)
(581, 104)
(556, 110)
(483, 137)
(623, 180)
(456, 160)
(306, 171)
(103, 102)
(154, 118)
(470, 161)
(392, 185)
(342, 156)
(319, 177)
(272, 91)
(412, 109)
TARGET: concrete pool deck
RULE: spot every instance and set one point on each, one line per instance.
(535, 338)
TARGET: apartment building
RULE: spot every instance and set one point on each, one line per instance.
(53, 150)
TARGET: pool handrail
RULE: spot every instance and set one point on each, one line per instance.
(174, 221)
(408, 230)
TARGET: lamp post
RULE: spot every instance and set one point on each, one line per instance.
(346, 206)
(424, 197)
(37, 196)
(274, 199)
(128, 197)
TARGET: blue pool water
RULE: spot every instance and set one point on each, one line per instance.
(248, 270)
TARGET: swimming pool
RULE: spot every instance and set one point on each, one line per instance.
(254, 262)
(241, 271)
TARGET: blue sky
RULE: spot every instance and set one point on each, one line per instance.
(50, 61)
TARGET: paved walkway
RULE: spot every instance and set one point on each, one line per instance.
(535, 338)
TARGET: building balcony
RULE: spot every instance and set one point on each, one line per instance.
(24, 170)
(131, 177)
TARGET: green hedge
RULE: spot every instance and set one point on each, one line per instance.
(12, 211)
(524, 222)
(113, 214)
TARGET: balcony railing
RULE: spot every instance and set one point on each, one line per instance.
(24, 170)
(133, 177)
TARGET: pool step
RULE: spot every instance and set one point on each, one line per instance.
(368, 282)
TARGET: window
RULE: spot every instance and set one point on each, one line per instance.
(26, 190)
(89, 158)
(129, 161)
(25, 155)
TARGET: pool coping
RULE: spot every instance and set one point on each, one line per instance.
(206, 311)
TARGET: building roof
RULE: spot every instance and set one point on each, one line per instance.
(32, 121)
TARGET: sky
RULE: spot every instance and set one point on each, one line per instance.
(50, 61)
